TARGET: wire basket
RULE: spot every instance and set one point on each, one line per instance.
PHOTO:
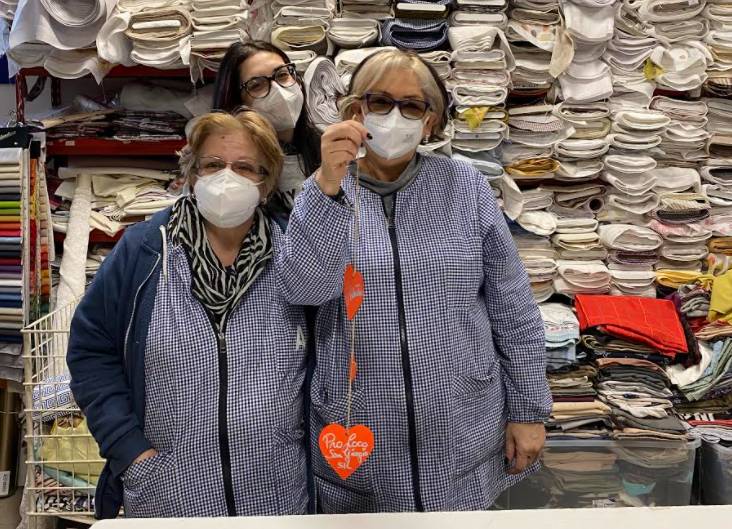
(63, 459)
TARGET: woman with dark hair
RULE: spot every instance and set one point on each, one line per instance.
(261, 76)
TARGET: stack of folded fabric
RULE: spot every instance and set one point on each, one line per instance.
(718, 13)
(121, 196)
(631, 247)
(367, 9)
(579, 420)
(159, 37)
(630, 196)
(685, 138)
(356, 32)
(412, 32)
(638, 130)
(479, 81)
(532, 33)
(539, 258)
(632, 341)
(627, 54)
(480, 12)
(582, 277)
(58, 34)
(682, 55)
(561, 331)
(216, 25)
(302, 26)
(588, 27)
(440, 60)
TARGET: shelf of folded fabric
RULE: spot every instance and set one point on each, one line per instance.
(112, 147)
(127, 71)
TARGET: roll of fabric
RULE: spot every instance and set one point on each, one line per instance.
(415, 34)
(62, 25)
(324, 88)
(354, 32)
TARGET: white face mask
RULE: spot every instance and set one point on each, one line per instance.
(393, 135)
(226, 199)
(282, 106)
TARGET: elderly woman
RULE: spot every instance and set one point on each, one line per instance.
(449, 341)
(184, 357)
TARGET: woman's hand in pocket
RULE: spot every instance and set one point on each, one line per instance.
(147, 454)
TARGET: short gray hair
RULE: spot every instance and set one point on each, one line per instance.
(377, 66)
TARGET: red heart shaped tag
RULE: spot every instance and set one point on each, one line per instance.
(346, 451)
(353, 290)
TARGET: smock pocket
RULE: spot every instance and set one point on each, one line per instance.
(333, 491)
(149, 487)
(478, 420)
(291, 471)
(462, 271)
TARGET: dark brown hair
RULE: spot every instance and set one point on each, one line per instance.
(227, 96)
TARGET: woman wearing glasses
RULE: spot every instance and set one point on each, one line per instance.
(184, 357)
(449, 342)
(259, 75)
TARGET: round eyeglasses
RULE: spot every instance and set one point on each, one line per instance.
(259, 87)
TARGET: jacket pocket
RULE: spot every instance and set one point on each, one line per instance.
(149, 487)
(463, 271)
(335, 412)
(478, 420)
(291, 471)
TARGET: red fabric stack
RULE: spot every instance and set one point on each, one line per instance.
(652, 322)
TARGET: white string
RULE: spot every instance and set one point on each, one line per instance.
(354, 261)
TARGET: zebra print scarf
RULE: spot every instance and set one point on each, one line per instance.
(217, 288)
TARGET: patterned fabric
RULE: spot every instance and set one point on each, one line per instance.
(216, 287)
(265, 366)
(52, 398)
(414, 34)
(475, 338)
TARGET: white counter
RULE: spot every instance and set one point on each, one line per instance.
(717, 517)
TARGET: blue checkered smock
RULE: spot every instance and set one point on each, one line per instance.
(263, 374)
(450, 341)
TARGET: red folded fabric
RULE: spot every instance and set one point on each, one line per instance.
(653, 322)
(711, 423)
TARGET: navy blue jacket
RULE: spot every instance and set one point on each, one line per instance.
(112, 393)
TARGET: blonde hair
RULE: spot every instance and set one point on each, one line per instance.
(379, 65)
(241, 120)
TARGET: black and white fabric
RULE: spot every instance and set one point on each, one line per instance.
(217, 288)
(262, 392)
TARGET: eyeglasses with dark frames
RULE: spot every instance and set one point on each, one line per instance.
(259, 87)
(383, 104)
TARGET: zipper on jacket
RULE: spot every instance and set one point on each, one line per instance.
(224, 448)
(406, 365)
(134, 305)
(224, 425)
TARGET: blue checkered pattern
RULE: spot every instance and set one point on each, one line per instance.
(414, 34)
(266, 372)
(476, 338)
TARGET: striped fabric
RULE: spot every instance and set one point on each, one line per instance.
(215, 287)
